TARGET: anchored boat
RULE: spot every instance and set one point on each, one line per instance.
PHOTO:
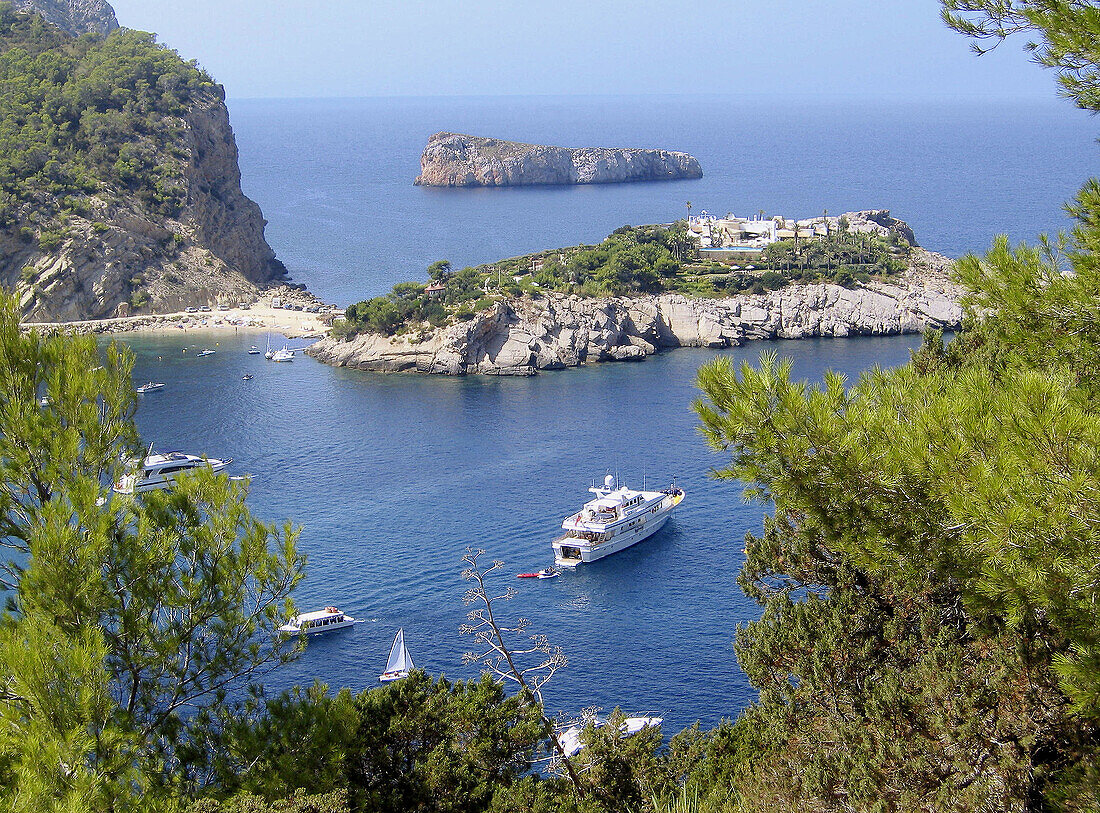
(618, 518)
(325, 620)
(570, 739)
(160, 469)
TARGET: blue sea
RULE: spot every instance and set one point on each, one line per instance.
(392, 478)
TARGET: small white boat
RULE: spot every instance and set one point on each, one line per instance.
(152, 386)
(159, 470)
(254, 351)
(207, 352)
(618, 518)
(400, 662)
(44, 401)
(246, 377)
(325, 620)
(283, 355)
(570, 739)
(545, 573)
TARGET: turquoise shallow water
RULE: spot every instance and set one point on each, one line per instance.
(392, 477)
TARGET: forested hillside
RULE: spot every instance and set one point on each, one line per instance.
(118, 175)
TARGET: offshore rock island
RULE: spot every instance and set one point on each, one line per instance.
(549, 330)
(455, 159)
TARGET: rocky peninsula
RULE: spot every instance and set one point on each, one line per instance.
(523, 335)
(455, 159)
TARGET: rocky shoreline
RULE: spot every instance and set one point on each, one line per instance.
(523, 336)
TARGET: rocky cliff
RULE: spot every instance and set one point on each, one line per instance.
(146, 211)
(75, 17)
(523, 336)
(213, 250)
(453, 159)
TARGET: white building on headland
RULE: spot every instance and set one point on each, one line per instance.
(733, 233)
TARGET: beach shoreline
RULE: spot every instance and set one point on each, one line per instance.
(257, 319)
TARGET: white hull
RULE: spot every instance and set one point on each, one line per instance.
(388, 676)
(591, 553)
(130, 484)
(290, 629)
(570, 551)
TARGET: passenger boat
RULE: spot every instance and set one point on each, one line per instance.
(618, 518)
(400, 662)
(570, 739)
(160, 469)
(152, 386)
(325, 620)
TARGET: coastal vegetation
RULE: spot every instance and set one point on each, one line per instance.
(927, 579)
(633, 260)
(927, 583)
(88, 116)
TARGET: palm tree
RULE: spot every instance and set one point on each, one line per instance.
(688, 204)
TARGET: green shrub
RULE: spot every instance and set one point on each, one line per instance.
(49, 240)
(772, 280)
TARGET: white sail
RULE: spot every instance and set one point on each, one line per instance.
(400, 659)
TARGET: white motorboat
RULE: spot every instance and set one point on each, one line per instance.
(254, 351)
(400, 662)
(618, 518)
(283, 355)
(325, 620)
(160, 469)
(207, 352)
(152, 386)
(570, 739)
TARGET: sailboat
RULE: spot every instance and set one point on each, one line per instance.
(400, 663)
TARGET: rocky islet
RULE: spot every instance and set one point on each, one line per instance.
(456, 159)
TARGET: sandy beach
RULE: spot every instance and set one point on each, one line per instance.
(258, 319)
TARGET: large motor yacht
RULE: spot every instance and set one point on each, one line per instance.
(160, 469)
(618, 518)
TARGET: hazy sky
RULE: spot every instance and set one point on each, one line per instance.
(276, 48)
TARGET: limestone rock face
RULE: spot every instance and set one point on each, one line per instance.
(74, 16)
(214, 250)
(453, 159)
(523, 336)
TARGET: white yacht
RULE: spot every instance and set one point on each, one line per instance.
(283, 355)
(618, 518)
(570, 739)
(152, 386)
(159, 470)
(324, 620)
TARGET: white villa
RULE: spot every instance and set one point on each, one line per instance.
(732, 233)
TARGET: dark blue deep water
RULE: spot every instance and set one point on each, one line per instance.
(391, 478)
